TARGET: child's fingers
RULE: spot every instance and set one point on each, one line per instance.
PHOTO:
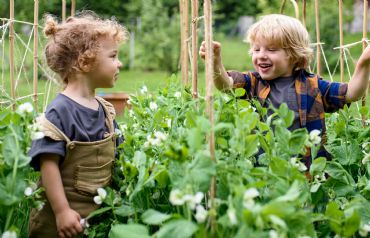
(216, 49)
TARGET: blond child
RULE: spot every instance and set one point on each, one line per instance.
(279, 46)
(76, 155)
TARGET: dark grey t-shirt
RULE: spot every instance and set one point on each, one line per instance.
(78, 123)
(283, 90)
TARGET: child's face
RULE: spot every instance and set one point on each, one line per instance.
(107, 64)
(271, 61)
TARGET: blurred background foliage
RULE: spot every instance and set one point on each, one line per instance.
(155, 23)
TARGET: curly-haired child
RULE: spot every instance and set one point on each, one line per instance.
(76, 155)
(280, 55)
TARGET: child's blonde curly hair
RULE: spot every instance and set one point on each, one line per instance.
(286, 32)
(77, 39)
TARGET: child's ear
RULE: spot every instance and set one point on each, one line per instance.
(84, 64)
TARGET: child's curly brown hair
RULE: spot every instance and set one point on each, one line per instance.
(77, 40)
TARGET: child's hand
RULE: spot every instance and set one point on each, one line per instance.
(68, 223)
(216, 51)
(365, 57)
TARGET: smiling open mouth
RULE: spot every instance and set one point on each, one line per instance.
(264, 66)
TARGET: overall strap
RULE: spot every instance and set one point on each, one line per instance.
(110, 113)
(50, 130)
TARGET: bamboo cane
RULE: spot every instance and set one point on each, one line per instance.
(35, 51)
(296, 8)
(64, 9)
(73, 8)
(304, 12)
(184, 18)
(341, 40)
(318, 51)
(209, 96)
(364, 44)
(11, 52)
(194, 44)
(282, 7)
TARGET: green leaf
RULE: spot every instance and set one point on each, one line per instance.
(239, 92)
(99, 211)
(24, 160)
(129, 231)
(201, 170)
(336, 171)
(203, 124)
(140, 162)
(335, 216)
(292, 194)
(195, 139)
(10, 150)
(318, 166)
(153, 217)
(251, 145)
(124, 211)
(297, 141)
(351, 224)
(178, 228)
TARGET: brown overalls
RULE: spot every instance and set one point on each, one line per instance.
(87, 166)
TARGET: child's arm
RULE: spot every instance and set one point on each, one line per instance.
(221, 79)
(67, 220)
(358, 85)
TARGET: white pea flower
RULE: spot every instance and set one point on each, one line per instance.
(251, 193)
(153, 106)
(232, 216)
(9, 234)
(25, 108)
(102, 194)
(176, 197)
(273, 234)
(160, 136)
(200, 214)
(248, 203)
(248, 198)
(314, 137)
(364, 230)
(366, 158)
(123, 127)
(365, 145)
(129, 101)
(315, 187)
(168, 122)
(144, 90)
(135, 125)
(194, 200)
(177, 94)
(298, 164)
(84, 223)
(36, 135)
(118, 132)
(131, 113)
(28, 191)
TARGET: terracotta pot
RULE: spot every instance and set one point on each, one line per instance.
(118, 100)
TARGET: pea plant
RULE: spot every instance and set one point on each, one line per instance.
(18, 191)
(163, 175)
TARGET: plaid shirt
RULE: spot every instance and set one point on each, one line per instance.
(315, 97)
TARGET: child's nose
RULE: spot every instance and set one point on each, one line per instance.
(119, 64)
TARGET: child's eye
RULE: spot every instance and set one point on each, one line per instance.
(256, 50)
(272, 49)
